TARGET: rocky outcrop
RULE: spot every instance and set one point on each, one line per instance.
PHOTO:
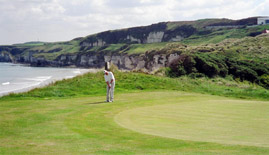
(133, 39)
(97, 43)
(155, 37)
(177, 38)
(5, 57)
(148, 61)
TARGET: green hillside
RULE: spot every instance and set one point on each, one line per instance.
(209, 47)
(195, 33)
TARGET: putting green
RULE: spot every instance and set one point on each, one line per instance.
(222, 121)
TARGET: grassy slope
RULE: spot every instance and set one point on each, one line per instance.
(142, 48)
(251, 49)
(84, 86)
(30, 44)
(198, 39)
(221, 34)
(254, 49)
(70, 117)
(44, 50)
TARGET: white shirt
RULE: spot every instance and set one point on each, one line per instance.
(109, 77)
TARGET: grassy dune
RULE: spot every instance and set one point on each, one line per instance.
(93, 85)
(71, 117)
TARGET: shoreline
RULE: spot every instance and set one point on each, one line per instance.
(41, 84)
(64, 67)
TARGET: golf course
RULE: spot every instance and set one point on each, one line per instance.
(151, 115)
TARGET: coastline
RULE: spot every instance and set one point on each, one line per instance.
(44, 80)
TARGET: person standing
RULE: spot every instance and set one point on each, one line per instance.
(110, 81)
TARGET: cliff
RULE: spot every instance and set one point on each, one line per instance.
(148, 61)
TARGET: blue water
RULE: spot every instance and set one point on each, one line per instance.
(19, 78)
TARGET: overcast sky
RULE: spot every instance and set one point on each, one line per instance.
(62, 20)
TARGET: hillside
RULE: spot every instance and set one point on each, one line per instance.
(219, 47)
(137, 39)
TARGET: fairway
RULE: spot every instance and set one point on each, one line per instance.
(158, 122)
(222, 121)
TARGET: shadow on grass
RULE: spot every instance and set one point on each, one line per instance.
(102, 102)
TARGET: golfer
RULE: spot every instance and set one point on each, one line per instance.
(110, 81)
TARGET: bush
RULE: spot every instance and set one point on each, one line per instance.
(210, 69)
(189, 65)
(196, 75)
(181, 70)
(210, 65)
(246, 74)
(176, 68)
(242, 70)
(216, 64)
(264, 80)
(170, 73)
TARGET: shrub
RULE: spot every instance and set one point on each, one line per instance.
(216, 64)
(181, 70)
(264, 80)
(182, 66)
(206, 66)
(245, 73)
(210, 69)
(189, 65)
(196, 75)
(170, 73)
(242, 70)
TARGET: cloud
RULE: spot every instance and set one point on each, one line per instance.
(132, 3)
(55, 20)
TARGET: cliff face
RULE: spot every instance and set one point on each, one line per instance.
(155, 33)
(5, 57)
(161, 32)
(149, 61)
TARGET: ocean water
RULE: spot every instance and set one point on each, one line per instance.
(19, 78)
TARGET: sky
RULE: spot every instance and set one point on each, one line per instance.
(62, 20)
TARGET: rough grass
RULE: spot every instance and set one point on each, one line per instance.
(30, 44)
(64, 48)
(142, 48)
(216, 36)
(114, 47)
(93, 84)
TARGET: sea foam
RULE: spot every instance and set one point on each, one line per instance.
(5, 83)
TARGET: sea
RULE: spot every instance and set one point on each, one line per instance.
(16, 78)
